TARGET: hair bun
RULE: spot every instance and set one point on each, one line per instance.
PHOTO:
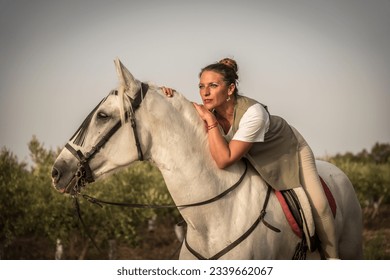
(230, 63)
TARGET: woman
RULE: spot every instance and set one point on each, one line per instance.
(242, 127)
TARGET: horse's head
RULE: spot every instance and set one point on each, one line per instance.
(104, 141)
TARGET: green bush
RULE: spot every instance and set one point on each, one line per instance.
(369, 173)
(32, 208)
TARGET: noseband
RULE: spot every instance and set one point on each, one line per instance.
(83, 174)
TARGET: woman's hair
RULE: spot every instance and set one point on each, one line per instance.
(226, 67)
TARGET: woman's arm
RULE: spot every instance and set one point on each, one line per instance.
(224, 154)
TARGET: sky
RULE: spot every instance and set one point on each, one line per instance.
(322, 65)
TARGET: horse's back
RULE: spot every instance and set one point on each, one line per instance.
(348, 214)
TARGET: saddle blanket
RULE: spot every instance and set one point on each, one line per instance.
(297, 210)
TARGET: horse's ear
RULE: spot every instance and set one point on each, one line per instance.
(126, 79)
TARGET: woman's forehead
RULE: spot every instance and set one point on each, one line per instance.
(210, 76)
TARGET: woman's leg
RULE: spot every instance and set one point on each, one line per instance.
(322, 214)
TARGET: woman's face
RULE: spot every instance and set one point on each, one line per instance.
(213, 89)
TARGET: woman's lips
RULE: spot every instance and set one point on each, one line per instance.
(207, 101)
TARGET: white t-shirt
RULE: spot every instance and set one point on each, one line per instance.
(253, 125)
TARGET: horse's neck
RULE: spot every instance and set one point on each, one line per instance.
(180, 150)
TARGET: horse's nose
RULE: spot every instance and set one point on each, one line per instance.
(55, 175)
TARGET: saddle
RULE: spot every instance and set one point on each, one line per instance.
(297, 210)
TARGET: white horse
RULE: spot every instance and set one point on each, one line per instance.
(170, 134)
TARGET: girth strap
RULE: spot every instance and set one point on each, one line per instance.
(241, 238)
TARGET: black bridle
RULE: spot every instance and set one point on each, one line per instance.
(83, 174)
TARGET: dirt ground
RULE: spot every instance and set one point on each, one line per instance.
(376, 235)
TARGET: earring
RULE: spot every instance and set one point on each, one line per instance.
(228, 99)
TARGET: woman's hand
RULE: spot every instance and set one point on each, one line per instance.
(168, 91)
(224, 154)
(205, 114)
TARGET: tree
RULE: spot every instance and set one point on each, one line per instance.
(14, 183)
(380, 153)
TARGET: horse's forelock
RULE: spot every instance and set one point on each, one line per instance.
(81, 132)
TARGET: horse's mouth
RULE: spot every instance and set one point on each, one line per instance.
(70, 181)
(73, 187)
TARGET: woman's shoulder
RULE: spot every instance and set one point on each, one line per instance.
(244, 103)
(246, 100)
(256, 109)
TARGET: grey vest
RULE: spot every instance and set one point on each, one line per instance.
(276, 159)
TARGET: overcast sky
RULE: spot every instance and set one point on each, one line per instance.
(322, 65)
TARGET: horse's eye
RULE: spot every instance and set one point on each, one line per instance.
(102, 115)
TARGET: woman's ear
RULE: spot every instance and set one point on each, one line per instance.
(231, 89)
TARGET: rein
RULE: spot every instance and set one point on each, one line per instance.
(152, 206)
(99, 202)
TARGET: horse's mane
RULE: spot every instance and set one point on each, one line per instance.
(179, 112)
(174, 117)
(191, 119)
